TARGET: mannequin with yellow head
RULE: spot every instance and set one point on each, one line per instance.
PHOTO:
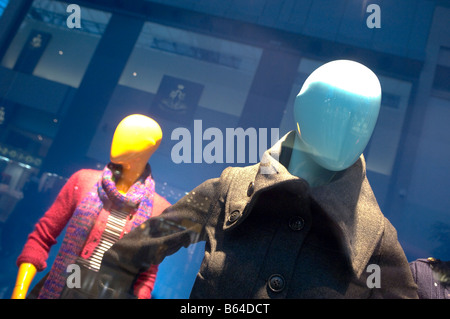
(135, 139)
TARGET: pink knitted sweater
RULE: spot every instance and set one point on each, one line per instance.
(49, 227)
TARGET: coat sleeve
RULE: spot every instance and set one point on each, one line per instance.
(145, 283)
(396, 281)
(178, 226)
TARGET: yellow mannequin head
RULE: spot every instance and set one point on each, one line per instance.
(136, 138)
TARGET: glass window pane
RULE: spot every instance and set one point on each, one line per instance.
(223, 67)
(3, 5)
(46, 47)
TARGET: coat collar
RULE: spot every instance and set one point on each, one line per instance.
(348, 199)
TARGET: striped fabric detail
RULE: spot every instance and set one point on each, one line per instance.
(114, 227)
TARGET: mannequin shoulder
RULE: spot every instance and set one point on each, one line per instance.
(159, 204)
(83, 180)
(86, 175)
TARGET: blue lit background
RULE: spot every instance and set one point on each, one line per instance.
(248, 60)
(3, 4)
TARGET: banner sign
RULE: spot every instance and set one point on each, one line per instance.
(176, 99)
(32, 51)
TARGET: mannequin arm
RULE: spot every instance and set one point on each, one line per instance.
(24, 279)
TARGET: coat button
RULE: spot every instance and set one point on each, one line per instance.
(276, 283)
(250, 189)
(296, 223)
(234, 216)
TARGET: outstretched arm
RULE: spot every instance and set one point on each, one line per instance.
(178, 226)
(23, 281)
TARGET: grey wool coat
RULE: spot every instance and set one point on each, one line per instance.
(270, 235)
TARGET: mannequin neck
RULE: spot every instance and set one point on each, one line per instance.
(130, 174)
(302, 165)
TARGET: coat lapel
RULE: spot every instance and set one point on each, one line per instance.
(348, 200)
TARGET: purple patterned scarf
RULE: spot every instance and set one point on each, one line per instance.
(105, 194)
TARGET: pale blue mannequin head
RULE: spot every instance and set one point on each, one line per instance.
(336, 112)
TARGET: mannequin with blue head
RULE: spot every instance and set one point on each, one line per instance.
(335, 111)
(269, 232)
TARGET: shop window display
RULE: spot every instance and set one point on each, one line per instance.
(99, 207)
(314, 176)
(223, 81)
